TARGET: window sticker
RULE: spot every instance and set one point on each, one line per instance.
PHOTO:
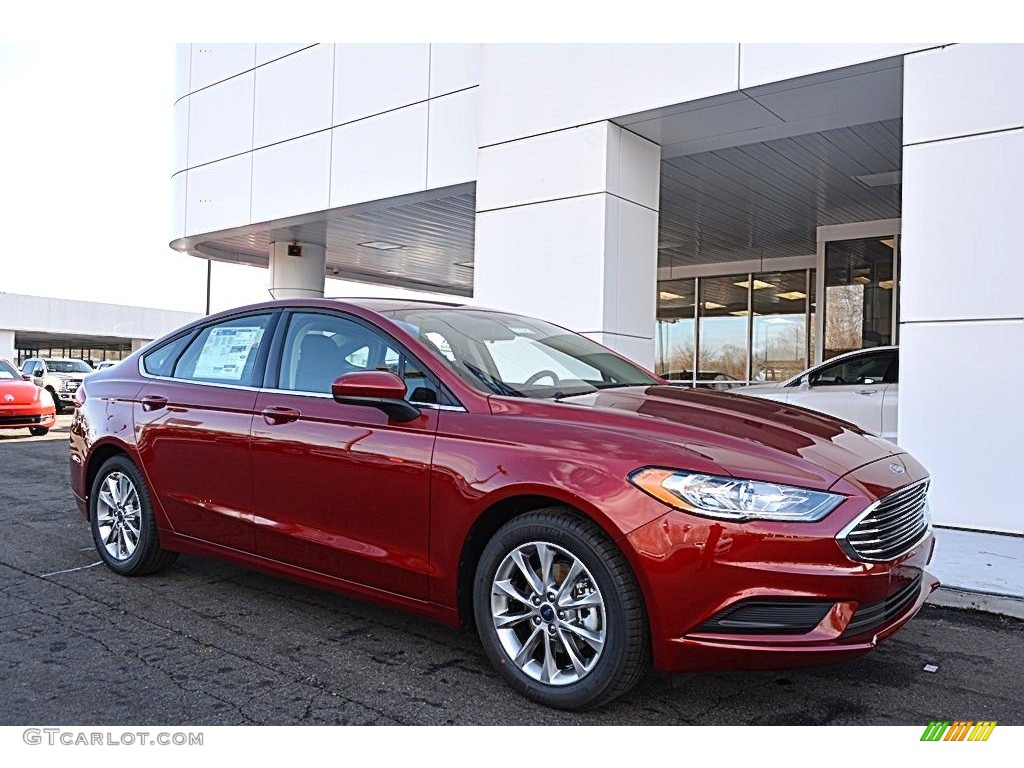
(226, 351)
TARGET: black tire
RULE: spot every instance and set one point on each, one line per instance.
(38, 431)
(56, 402)
(625, 654)
(148, 556)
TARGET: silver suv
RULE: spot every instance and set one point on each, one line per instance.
(60, 376)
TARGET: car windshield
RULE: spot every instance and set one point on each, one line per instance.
(518, 356)
(68, 366)
(7, 371)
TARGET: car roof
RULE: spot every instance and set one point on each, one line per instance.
(389, 305)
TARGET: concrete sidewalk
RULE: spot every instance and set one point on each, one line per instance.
(979, 571)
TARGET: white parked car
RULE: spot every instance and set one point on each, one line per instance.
(860, 387)
(104, 364)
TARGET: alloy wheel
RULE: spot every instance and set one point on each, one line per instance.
(119, 516)
(548, 613)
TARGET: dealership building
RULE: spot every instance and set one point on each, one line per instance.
(742, 210)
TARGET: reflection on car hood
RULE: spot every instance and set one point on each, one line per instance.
(749, 437)
(756, 389)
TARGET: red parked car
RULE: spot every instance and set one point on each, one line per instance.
(22, 403)
(499, 473)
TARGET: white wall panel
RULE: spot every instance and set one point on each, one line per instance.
(968, 436)
(179, 159)
(293, 95)
(531, 89)
(961, 228)
(182, 68)
(453, 66)
(548, 167)
(762, 63)
(451, 150)
(213, 62)
(562, 241)
(370, 79)
(220, 120)
(961, 90)
(631, 263)
(380, 157)
(634, 167)
(269, 51)
(218, 195)
(178, 204)
(292, 177)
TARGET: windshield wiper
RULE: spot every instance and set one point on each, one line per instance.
(499, 387)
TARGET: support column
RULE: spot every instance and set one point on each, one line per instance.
(7, 348)
(567, 230)
(300, 274)
(138, 344)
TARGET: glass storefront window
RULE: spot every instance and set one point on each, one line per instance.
(724, 316)
(674, 339)
(748, 327)
(780, 325)
(858, 294)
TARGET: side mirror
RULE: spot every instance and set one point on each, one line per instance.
(38, 372)
(376, 389)
(26, 377)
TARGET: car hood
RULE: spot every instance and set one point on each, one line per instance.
(71, 375)
(22, 392)
(747, 437)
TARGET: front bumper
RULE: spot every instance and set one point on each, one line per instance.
(21, 416)
(768, 595)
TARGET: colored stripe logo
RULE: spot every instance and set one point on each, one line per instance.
(959, 730)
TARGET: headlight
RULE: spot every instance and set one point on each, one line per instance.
(732, 498)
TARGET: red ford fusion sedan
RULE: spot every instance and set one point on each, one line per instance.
(502, 474)
(23, 404)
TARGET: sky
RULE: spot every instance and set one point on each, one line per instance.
(85, 198)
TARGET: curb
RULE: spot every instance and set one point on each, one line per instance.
(1002, 605)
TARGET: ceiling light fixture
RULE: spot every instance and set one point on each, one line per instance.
(666, 296)
(886, 284)
(381, 245)
(712, 305)
(889, 241)
(743, 313)
(758, 284)
(791, 295)
(861, 279)
(884, 179)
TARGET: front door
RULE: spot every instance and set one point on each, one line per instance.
(852, 389)
(341, 489)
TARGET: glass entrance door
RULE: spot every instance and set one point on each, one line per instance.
(860, 294)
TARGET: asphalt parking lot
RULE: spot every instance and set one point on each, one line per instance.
(206, 643)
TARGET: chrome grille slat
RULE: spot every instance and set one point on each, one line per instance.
(891, 527)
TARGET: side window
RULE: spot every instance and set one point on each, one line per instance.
(319, 348)
(864, 369)
(160, 361)
(224, 353)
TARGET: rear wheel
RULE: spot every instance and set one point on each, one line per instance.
(123, 526)
(559, 611)
(38, 431)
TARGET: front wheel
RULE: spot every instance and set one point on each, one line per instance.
(559, 611)
(121, 516)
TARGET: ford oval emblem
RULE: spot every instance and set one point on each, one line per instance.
(897, 469)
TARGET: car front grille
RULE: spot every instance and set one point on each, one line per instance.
(891, 527)
(869, 617)
(71, 385)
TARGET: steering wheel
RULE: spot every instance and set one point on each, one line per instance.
(540, 375)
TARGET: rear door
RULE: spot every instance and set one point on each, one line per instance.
(192, 421)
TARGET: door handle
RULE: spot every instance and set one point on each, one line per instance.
(866, 391)
(279, 415)
(153, 402)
